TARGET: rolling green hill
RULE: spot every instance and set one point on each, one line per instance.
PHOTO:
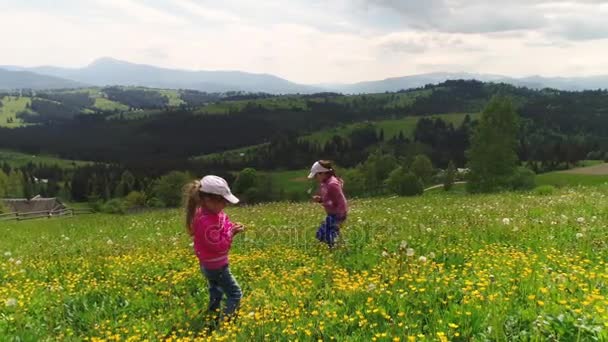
(98, 99)
(11, 105)
(18, 159)
(391, 128)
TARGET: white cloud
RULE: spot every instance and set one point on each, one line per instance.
(138, 11)
(316, 41)
(206, 13)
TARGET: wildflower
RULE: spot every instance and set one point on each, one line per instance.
(10, 302)
(453, 326)
(579, 235)
(506, 221)
(110, 242)
(422, 259)
(409, 252)
(18, 262)
(403, 245)
(428, 230)
(385, 254)
(580, 220)
(432, 255)
(7, 254)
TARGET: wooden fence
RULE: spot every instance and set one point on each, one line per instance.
(16, 216)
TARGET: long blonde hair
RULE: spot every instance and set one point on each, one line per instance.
(192, 201)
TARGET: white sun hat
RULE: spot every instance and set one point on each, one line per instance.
(218, 186)
(317, 168)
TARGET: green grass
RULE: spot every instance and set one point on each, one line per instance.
(18, 159)
(504, 267)
(234, 154)
(391, 127)
(109, 105)
(294, 181)
(12, 105)
(456, 189)
(561, 179)
(175, 99)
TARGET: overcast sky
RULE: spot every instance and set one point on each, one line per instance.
(314, 41)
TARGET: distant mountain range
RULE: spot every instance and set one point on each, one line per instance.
(108, 71)
(24, 79)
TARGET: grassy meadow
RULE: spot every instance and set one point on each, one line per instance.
(18, 159)
(11, 105)
(504, 267)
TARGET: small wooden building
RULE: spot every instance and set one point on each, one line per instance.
(36, 204)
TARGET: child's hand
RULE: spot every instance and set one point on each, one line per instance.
(237, 228)
(316, 198)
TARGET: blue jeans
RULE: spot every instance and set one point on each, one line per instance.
(329, 230)
(222, 282)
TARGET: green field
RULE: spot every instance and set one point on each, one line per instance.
(109, 105)
(12, 105)
(234, 154)
(175, 99)
(507, 267)
(391, 127)
(292, 181)
(18, 159)
(561, 179)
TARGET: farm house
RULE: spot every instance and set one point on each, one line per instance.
(36, 204)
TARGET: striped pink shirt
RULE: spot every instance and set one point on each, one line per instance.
(332, 197)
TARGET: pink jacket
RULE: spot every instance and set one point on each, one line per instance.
(212, 238)
(332, 197)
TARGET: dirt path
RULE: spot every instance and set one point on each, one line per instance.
(599, 170)
(441, 185)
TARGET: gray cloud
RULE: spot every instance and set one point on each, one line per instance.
(588, 28)
(580, 20)
(403, 46)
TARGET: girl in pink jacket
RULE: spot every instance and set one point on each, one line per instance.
(331, 196)
(212, 233)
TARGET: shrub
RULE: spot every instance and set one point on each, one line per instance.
(135, 199)
(422, 168)
(155, 202)
(449, 177)
(114, 206)
(404, 183)
(3, 208)
(354, 182)
(544, 190)
(169, 188)
(523, 179)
